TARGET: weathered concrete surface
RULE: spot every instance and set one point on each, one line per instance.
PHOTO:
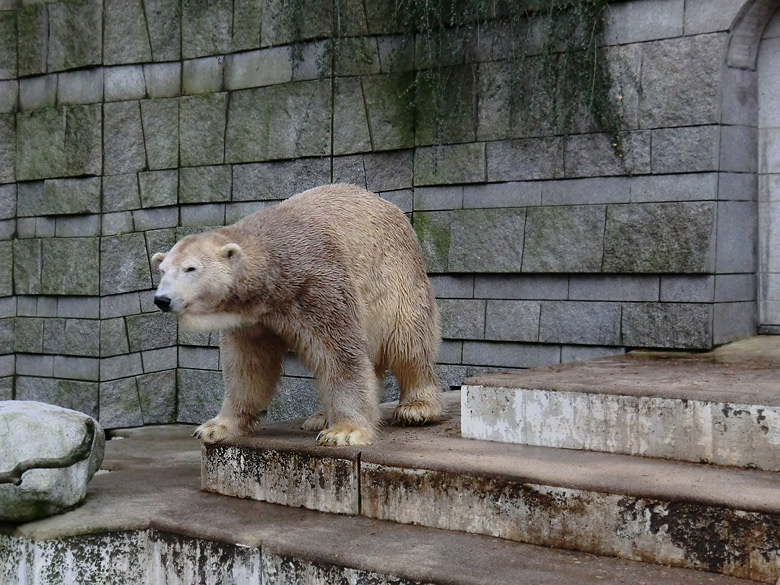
(720, 407)
(146, 521)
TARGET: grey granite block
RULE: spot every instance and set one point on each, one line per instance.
(199, 395)
(76, 337)
(541, 286)
(486, 240)
(120, 405)
(510, 355)
(236, 211)
(70, 266)
(81, 396)
(36, 93)
(159, 241)
(8, 369)
(46, 306)
(738, 186)
(77, 226)
(592, 155)
(736, 239)
(28, 335)
(512, 194)
(433, 229)
(124, 264)
(123, 139)
(450, 352)
(634, 22)
(75, 34)
(258, 68)
(739, 95)
(402, 199)
(33, 39)
(205, 184)
(685, 187)
(457, 163)
(564, 239)
(686, 150)
(80, 87)
(256, 131)
(660, 237)
(113, 337)
(206, 27)
(163, 80)
(446, 286)
(387, 171)
(202, 129)
(202, 215)
(512, 321)
(119, 305)
(295, 398)
(163, 19)
(121, 366)
(576, 353)
(433, 198)
(533, 158)
(78, 307)
(672, 325)
(120, 192)
(732, 321)
(575, 322)
(703, 16)
(739, 149)
(83, 140)
(278, 180)
(9, 96)
(350, 120)
(390, 115)
(8, 306)
(156, 360)
(76, 368)
(68, 196)
(151, 331)
(198, 358)
(202, 75)
(349, 169)
(462, 318)
(126, 36)
(27, 306)
(6, 268)
(161, 132)
(586, 191)
(41, 139)
(354, 56)
(33, 365)
(158, 218)
(7, 229)
(157, 393)
(7, 338)
(614, 288)
(9, 157)
(159, 188)
(730, 288)
(247, 19)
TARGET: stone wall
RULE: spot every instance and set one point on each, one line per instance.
(125, 125)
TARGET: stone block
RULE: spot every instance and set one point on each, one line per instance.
(124, 82)
(396, 53)
(738, 149)
(736, 239)
(644, 21)
(83, 140)
(202, 215)
(36, 93)
(33, 365)
(6, 268)
(257, 132)
(69, 266)
(163, 20)
(614, 288)
(119, 305)
(278, 27)
(8, 151)
(41, 140)
(541, 286)
(237, 211)
(202, 129)
(446, 105)
(113, 337)
(510, 355)
(156, 360)
(161, 132)
(206, 27)
(77, 226)
(199, 358)
(9, 96)
(434, 198)
(205, 184)
(768, 146)
(433, 229)
(8, 306)
(527, 159)
(577, 353)
(123, 138)
(564, 239)
(154, 219)
(75, 34)
(75, 368)
(401, 199)
(27, 306)
(446, 286)
(157, 394)
(576, 322)
(592, 155)
(159, 241)
(685, 187)
(660, 237)
(733, 321)
(199, 395)
(586, 191)
(7, 364)
(121, 366)
(247, 18)
(295, 398)
(163, 80)
(462, 318)
(45, 227)
(390, 115)
(33, 36)
(258, 68)
(202, 75)
(7, 338)
(353, 56)
(125, 36)
(349, 169)
(685, 150)
(350, 120)
(450, 352)
(457, 163)
(278, 180)
(681, 81)
(78, 307)
(739, 94)
(62, 197)
(28, 335)
(79, 337)
(704, 16)
(124, 264)
(7, 229)
(387, 171)
(159, 188)
(8, 45)
(513, 194)
(740, 186)
(46, 306)
(120, 192)
(486, 240)
(735, 287)
(80, 87)
(151, 331)
(670, 325)
(80, 396)
(120, 405)
(512, 321)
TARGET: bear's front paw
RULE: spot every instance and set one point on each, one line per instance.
(417, 412)
(315, 422)
(216, 430)
(346, 433)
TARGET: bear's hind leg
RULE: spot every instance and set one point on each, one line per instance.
(421, 400)
(251, 368)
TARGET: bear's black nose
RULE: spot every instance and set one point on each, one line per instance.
(163, 302)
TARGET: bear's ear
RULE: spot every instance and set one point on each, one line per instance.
(232, 251)
(157, 259)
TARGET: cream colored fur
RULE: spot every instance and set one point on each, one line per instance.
(334, 274)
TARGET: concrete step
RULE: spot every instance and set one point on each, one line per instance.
(147, 522)
(671, 513)
(721, 407)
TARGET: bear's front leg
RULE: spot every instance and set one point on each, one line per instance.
(251, 367)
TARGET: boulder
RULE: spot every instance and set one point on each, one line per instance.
(38, 445)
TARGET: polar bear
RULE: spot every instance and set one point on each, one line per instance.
(334, 274)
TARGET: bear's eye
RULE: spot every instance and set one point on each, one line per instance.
(189, 269)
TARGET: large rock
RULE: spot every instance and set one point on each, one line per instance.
(34, 430)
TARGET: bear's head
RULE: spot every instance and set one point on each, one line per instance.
(197, 277)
